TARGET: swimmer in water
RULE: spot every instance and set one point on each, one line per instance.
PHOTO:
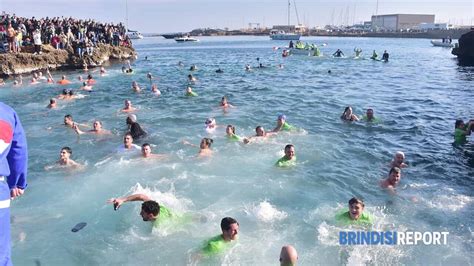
(260, 133)
(338, 53)
(189, 92)
(134, 128)
(40, 76)
(224, 103)
(151, 211)
(34, 81)
(219, 70)
(288, 256)
(191, 78)
(398, 160)
(69, 122)
(50, 78)
(155, 90)
(369, 116)
(355, 214)
(222, 242)
(193, 68)
(282, 125)
(289, 159)
(103, 72)
(248, 68)
(358, 52)
(180, 64)
(135, 87)
(204, 146)
(19, 81)
(347, 115)
(90, 80)
(64, 81)
(128, 106)
(96, 129)
(65, 159)
(128, 145)
(85, 87)
(211, 125)
(2, 82)
(392, 180)
(461, 131)
(147, 152)
(52, 103)
(230, 133)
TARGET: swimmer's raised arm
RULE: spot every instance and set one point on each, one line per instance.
(185, 142)
(135, 197)
(76, 128)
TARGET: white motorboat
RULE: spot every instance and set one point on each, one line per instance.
(442, 44)
(282, 35)
(186, 39)
(134, 35)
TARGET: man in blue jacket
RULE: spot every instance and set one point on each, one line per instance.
(13, 167)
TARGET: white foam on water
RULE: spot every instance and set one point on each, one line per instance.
(267, 213)
(449, 202)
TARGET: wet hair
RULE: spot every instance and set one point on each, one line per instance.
(345, 111)
(146, 144)
(289, 146)
(128, 134)
(89, 76)
(100, 123)
(226, 222)
(355, 200)
(65, 92)
(458, 123)
(151, 206)
(52, 100)
(232, 127)
(68, 116)
(136, 130)
(208, 141)
(394, 169)
(70, 92)
(66, 148)
(258, 128)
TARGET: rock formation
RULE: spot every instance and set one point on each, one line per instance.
(27, 62)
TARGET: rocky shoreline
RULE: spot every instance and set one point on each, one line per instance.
(51, 58)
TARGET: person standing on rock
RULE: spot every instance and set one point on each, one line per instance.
(11, 38)
(37, 41)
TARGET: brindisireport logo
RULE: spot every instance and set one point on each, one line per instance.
(392, 238)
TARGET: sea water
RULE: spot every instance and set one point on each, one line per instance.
(416, 96)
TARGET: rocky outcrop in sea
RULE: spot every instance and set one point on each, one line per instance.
(26, 62)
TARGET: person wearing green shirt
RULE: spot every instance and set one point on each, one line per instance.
(230, 133)
(190, 92)
(220, 243)
(289, 159)
(282, 125)
(151, 211)
(369, 116)
(355, 215)
(462, 130)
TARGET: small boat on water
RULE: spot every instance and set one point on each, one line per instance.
(173, 35)
(134, 35)
(186, 39)
(442, 44)
(282, 35)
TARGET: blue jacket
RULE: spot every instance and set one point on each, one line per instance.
(13, 149)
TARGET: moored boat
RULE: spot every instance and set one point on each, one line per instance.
(441, 44)
(186, 39)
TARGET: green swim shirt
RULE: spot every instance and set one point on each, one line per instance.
(234, 138)
(344, 218)
(193, 94)
(374, 120)
(287, 127)
(164, 216)
(459, 135)
(215, 245)
(283, 162)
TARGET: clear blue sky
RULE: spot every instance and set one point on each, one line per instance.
(159, 16)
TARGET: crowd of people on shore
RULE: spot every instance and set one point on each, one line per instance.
(61, 33)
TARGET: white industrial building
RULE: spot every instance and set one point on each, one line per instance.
(400, 22)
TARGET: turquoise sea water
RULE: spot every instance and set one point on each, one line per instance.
(417, 96)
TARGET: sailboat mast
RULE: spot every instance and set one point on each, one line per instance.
(126, 14)
(289, 12)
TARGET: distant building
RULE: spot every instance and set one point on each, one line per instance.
(434, 26)
(398, 22)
